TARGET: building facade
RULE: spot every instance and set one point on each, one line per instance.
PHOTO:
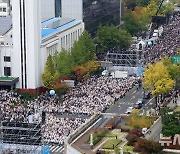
(27, 42)
(5, 8)
(93, 13)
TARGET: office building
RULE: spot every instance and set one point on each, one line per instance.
(28, 38)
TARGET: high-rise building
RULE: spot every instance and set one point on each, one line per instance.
(28, 38)
(26, 41)
(94, 12)
(5, 8)
(57, 8)
(47, 9)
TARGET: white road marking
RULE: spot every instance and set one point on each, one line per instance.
(134, 92)
(149, 101)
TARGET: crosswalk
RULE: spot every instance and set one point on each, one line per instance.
(55, 149)
(127, 103)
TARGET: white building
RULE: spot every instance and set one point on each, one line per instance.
(5, 8)
(24, 47)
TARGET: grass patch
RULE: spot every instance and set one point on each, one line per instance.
(128, 148)
(110, 134)
(97, 136)
(111, 144)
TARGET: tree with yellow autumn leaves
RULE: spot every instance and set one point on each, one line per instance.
(157, 79)
(140, 121)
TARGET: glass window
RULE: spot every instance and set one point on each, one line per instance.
(104, 12)
(7, 59)
(4, 9)
(57, 8)
(7, 71)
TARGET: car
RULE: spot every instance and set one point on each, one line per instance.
(129, 110)
(139, 103)
(140, 100)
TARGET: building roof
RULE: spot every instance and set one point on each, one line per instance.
(4, 1)
(5, 80)
(57, 24)
(5, 25)
(49, 27)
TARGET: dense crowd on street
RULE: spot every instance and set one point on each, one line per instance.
(93, 95)
(12, 108)
(57, 128)
(167, 44)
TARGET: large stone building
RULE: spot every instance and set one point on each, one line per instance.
(28, 38)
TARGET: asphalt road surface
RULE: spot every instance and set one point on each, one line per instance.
(121, 105)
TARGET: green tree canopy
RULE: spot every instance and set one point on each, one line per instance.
(171, 122)
(134, 26)
(64, 62)
(49, 74)
(173, 69)
(83, 49)
(109, 37)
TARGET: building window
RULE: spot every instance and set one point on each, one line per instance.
(61, 43)
(4, 9)
(7, 59)
(7, 71)
(0, 9)
(66, 39)
(57, 8)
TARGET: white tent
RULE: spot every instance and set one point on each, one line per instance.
(141, 45)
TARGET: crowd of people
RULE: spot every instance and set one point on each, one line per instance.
(93, 95)
(12, 108)
(58, 128)
(167, 44)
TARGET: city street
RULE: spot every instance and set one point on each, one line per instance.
(129, 100)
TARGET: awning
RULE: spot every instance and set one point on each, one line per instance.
(8, 81)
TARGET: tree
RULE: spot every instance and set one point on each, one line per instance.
(173, 69)
(167, 8)
(91, 66)
(109, 37)
(60, 87)
(125, 39)
(64, 63)
(49, 74)
(79, 72)
(142, 2)
(83, 49)
(138, 121)
(148, 147)
(130, 4)
(89, 45)
(157, 79)
(170, 122)
(134, 26)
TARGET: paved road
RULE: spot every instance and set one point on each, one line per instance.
(122, 104)
(129, 100)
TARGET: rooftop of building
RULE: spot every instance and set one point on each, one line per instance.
(55, 25)
(4, 1)
(49, 27)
